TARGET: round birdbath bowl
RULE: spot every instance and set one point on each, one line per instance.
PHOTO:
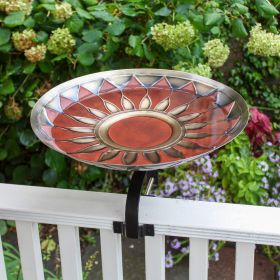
(138, 119)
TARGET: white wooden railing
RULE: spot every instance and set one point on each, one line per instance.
(71, 209)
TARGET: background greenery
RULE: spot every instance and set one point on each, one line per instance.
(45, 42)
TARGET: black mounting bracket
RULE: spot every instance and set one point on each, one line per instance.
(131, 228)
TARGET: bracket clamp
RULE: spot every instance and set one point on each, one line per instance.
(131, 228)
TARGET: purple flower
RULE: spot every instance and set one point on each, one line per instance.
(216, 257)
(273, 157)
(214, 246)
(265, 183)
(275, 191)
(185, 250)
(169, 260)
(263, 166)
(175, 244)
(207, 167)
(169, 187)
(183, 184)
(215, 174)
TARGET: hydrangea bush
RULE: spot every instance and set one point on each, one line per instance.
(46, 42)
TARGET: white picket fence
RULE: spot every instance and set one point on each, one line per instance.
(71, 209)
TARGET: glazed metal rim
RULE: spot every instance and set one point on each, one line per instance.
(103, 126)
(48, 96)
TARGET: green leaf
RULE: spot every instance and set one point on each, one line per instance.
(7, 87)
(75, 3)
(48, 7)
(3, 227)
(75, 24)
(213, 18)
(215, 30)
(135, 42)
(128, 10)
(91, 36)
(3, 153)
(41, 37)
(148, 54)
(6, 48)
(5, 35)
(50, 177)
(83, 13)
(29, 22)
(103, 15)
(27, 138)
(253, 186)
(265, 9)
(90, 2)
(55, 160)
(86, 53)
(45, 66)
(238, 29)
(21, 174)
(14, 19)
(268, 9)
(29, 68)
(163, 12)
(116, 28)
(240, 8)
(197, 20)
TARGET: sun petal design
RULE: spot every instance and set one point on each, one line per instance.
(127, 104)
(81, 140)
(90, 149)
(108, 155)
(172, 152)
(188, 117)
(111, 107)
(145, 102)
(163, 105)
(197, 135)
(98, 113)
(195, 125)
(129, 157)
(80, 129)
(85, 120)
(152, 157)
(190, 145)
(178, 110)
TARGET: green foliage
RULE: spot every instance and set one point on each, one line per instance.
(241, 172)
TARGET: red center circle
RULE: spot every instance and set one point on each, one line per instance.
(140, 132)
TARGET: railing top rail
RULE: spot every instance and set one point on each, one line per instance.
(221, 221)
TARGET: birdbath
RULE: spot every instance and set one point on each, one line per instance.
(141, 120)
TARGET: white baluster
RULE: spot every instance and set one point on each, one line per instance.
(30, 250)
(244, 261)
(111, 255)
(155, 257)
(70, 252)
(198, 259)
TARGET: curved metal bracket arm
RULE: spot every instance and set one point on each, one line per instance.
(131, 227)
